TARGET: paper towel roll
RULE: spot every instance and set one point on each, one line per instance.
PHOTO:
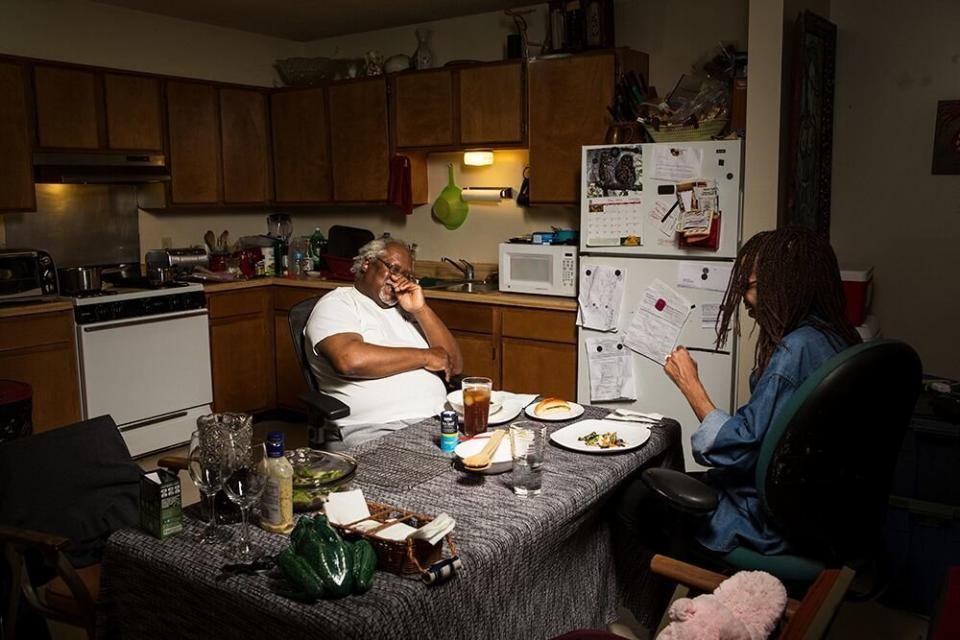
(480, 195)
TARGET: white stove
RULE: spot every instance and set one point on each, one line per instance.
(144, 359)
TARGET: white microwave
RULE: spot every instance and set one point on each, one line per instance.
(544, 269)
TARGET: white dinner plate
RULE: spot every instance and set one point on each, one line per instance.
(575, 411)
(508, 413)
(455, 400)
(633, 434)
(501, 460)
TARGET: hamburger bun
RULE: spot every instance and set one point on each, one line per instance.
(551, 405)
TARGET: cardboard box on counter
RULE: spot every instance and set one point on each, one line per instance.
(160, 504)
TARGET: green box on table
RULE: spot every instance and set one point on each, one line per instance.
(161, 511)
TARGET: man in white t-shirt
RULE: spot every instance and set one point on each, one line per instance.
(379, 348)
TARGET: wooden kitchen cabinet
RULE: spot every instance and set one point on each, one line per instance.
(423, 109)
(301, 146)
(242, 350)
(133, 110)
(359, 140)
(491, 104)
(245, 146)
(67, 108)
(474, 327)
(568, 109)
(194, 129)
(40, 349)
(290, 381)
(16, 162)
(539, 352)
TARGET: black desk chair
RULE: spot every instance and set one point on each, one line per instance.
(321, 408)
(825, 466)
(62, 492)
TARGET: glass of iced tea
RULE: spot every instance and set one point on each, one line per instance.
(476, 405)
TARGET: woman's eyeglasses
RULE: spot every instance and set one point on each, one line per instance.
(397, 270)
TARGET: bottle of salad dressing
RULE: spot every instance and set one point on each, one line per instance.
(276, 508)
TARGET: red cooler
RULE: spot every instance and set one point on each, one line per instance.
(858, 289)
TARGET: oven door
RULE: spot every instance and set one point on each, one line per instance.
(142, 368)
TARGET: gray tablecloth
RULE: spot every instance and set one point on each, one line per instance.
(533, 567)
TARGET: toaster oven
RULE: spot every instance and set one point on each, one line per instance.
(27, 275)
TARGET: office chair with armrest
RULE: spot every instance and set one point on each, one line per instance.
(825, 466)
(62, 492)
(322, 408)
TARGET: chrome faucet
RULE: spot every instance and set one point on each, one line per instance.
(463, 267)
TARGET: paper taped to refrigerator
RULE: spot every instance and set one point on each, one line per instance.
(601, 296)
(676, 164)
(711, 276)
(709, 313)
(657, 321)
(610, 369)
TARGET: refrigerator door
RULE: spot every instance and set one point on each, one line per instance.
(720, 161)
(655, 392)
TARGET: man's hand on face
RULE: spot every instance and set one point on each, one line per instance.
(409, 294)
(438, 360)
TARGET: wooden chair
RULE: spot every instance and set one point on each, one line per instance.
(92, 458)
(806, 619)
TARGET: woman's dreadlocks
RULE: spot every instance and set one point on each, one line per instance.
(798, 283)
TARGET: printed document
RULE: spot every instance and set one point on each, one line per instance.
(611, 370)
(711, 276)
(676, 164)
(601, 296)
(657, 322)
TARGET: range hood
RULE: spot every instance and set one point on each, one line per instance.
(99, 168)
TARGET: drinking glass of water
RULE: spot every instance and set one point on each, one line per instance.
(528, 444)
(246, 479)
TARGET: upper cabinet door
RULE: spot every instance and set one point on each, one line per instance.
(246, 147)
(423, 109)
(133, 112)
(491, 104)
(194, 128)
(301, 146)
(359, 143)
(16, 164)
(568, 101)
(67, 113)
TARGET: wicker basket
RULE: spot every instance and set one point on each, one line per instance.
(304, 72)
(402, 557)
(705, 130)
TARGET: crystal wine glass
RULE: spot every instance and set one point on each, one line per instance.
(208, 469)
(246, 479)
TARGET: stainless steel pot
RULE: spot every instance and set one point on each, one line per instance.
(80, 280)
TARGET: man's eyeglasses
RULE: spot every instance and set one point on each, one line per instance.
(397, 270)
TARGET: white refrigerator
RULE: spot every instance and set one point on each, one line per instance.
(642, 291)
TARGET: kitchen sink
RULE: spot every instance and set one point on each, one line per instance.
(471, 287)
(474, 286)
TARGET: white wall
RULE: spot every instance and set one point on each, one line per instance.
(893, 65)
(108, 36)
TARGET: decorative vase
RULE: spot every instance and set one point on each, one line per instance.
(423, 56)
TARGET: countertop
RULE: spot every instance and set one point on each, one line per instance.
(493, 297)
(29, 309)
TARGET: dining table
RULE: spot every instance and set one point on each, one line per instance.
(532, 567)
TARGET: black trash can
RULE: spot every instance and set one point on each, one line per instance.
(16, 410)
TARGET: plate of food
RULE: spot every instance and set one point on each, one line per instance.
(554, 410)
(316, 474)
(601, 436)
(455, 400)
(501, 461)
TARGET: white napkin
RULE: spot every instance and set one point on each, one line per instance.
(514, 402)
(344, 507)
(435, 530)
(628, 415)
(399, 531)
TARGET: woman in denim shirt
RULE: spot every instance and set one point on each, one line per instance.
(790, 284)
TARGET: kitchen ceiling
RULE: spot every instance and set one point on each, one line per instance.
(304, 20)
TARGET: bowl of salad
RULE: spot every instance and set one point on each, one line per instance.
(317, 474)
